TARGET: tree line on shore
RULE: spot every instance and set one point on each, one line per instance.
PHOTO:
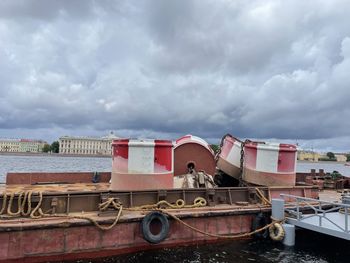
(53, 147)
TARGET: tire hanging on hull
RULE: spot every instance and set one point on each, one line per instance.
(146, 227)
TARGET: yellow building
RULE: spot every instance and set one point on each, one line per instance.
(21, 145)
(340, 157)
(308, 156)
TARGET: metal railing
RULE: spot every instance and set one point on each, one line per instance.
(319, 210)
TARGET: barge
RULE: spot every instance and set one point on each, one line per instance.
(69, 216)
(67, 229)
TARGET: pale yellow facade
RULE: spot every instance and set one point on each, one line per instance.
(340, 158)
(308, 156)
(21, 145)
(86, 145)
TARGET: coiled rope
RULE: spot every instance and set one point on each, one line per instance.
(25, 199)
(180, 203)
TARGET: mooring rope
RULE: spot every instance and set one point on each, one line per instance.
(262, 197)
(268, 226)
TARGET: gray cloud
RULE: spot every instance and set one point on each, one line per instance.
(272, 69)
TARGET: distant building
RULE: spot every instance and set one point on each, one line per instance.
(86, 145)
(308, 156)
(340, 157)
(21, 145)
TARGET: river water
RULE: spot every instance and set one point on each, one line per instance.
(54, 163)
(310, 247)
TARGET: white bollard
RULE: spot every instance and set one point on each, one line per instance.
(277, 209)
(289, 235)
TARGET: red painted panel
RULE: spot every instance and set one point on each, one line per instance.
(120, 156)
(250, 153)
(120, 148)
(286, 159)
(163, 156)
(183, 138)
(227, 146)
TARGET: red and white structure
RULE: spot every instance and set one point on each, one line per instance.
(142, 164)
(193, 151)
(268, 164)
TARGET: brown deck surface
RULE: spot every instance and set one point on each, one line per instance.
(54, 188)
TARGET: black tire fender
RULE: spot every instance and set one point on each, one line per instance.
(258, 222)
(146, 227)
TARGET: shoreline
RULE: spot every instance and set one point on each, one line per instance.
(322, 162)
(52, 154)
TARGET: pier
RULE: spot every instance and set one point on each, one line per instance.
(330, 218)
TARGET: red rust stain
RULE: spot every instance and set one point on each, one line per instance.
(15, 245)
(246, 223)
(199, 223)
(211, 225)
(82, 238)
(4, 245)
(126, 235)
(174, 232)
(110, 238)
(186, 233)
(43, 241)
(223, 226)
(138, 237)
(235, 225)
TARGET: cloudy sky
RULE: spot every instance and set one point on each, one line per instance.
(276, 70)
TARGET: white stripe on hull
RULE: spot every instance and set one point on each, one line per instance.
(234, 155)
(267, 159)
(141, 159)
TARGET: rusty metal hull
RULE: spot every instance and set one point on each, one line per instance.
(67, 238)
(55, 243)
(228, 168)
(257, 177)
(268, 179)
(63, 177)
(56, 239)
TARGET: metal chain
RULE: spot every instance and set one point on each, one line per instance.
(220, 147)
(241, 181)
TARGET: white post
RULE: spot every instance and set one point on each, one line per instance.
(277, 209)
(289, 235)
